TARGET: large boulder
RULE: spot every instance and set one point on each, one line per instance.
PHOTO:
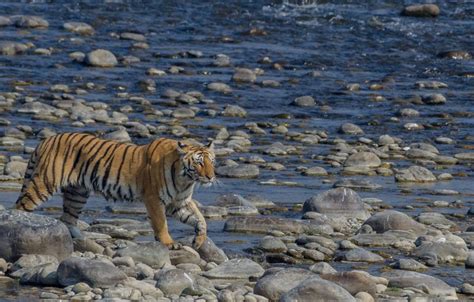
(154, 254)
(423, 282)
(28, 233)
(274, 284)
(393, 220)
(441, 249)
(353, 282)
(96, 273)
(208, 251)
(239, 268)
(336, 203)
(317, 289)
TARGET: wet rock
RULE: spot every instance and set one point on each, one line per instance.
(467, 289)
(315, 171)
(79, 28)
(239, 268)
(353, 282)
(173, 282)
(16, 169)
(349, 128)
(455, 55)
(408, 112)
(12, 48)
(234, 111)
(239, 171)
(399, 239)
(272, 244)
(28, 233)
(421, 10)
(5, 21)
(434, 99)
(415, 174)
(361, 255)
(101, 58)
(437, 220)
(423, 282)
(322, 268)
(219, 87)
(274, 284)
(133, 37)
(365, 159)
(244, 75)
(337, 202)
(409, 265)
(393, 220)
(42, 274)
(24, 21)
(465, 156)
(209, 251)
(96, 273)
(430, 85)
(154, 254)
(221, 60)
(260, 224)
(441, 249)
(304, 101)
(316, 287)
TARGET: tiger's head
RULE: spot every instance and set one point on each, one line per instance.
(198, 162)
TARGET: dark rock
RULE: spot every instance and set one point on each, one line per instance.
(394, 220)
(154, 254)
(28, 233)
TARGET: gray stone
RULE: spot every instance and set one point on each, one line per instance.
(322, 268)
(353, 281)
(357, 184)
(28, 233)
(8, 48)
(441, 249)
(434, 99)
(317, 289)
(244, 75)
(120, 135)
(365, 159)
(154, 254)
(415, 174)
(274, 284)
(337, 202)
(173, 282)
(421, 10)
(101, 58)
(272, 244)
(96, 273)
(79, 28)
(304, 101)
(44, 274)
(234, 111)
(423, 282)
(29, 261)
(219, 87)
(468, 156)
(260, 224)
(208, 251)
(184, 255)
(25, 21)
(409, 265)
(362, 255)
(349, 128)
(240, 171)
(235, 269)
(437, 220)
(394, 220)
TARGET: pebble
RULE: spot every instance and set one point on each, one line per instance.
(101, 58)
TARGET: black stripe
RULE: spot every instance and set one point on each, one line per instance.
(94, 179)
(173, 174)
(157, 145)
(185, 220)
(119, 171)
(108, 166)
(66, 210)
(85, 165)
(78, 155)
(57, 154)
(48, 162)
(66, 154)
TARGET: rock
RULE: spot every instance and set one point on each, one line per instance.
(470, 260)
(437, 220)
(337, 202)
(208, 251)
(120, 135)
(154, 254)
(133, 36)
(304, 101)
(415, 174)
(409, 265)
(465, 156)
(362, 255)
(423, 282)
(235, 269)
(81, 287)
(234, 111)
(8, 48)
(96, 273)
(315, 171)
(364, 297)
(145, 288)
(28, 233)
(402, 239)
(353, 282)
(322, 268)
(365, 159)
(434, 99)
(44, 275)
(349, 128)
(317, 289)
(357, 184)
(79, 28)
(272, 245)
(173, 282)
(5, 21)
(184, 255)
(393, 220)
(421, 10)
(441, 249)
(260, 224)
(244, 75)
(274, 284)
(16, 168)
(29, 261)
(239, 171)
(24, 21)
(101, 58)
(219, 87)
(455, 55)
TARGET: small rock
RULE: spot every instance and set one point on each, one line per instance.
(421, 10)
(101, 58)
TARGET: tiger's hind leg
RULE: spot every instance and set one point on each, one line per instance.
(33, 193)
(74, 199)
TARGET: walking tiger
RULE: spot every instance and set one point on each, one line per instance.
(161, 174)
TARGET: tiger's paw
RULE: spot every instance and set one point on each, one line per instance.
(198, 241)
(174, 246)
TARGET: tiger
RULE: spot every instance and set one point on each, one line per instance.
(161, 174)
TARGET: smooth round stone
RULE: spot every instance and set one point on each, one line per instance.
(79, 28)
(275, 283)
(304, 101)
(174, 281)
(234, 111)
(24, 21)
(455, 55)
(409, 112)
(101, 58)
(362, 255)
(316, 287)
(415, 174)
(421, 10)
(272, 244)
(239, 171)
(219, 87)
(244, 75)
(434, 99)
(366, 159)
(389, 220)
(349, 128)
(315, 171)
(235, 269)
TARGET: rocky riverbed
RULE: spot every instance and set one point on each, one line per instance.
(344, 134)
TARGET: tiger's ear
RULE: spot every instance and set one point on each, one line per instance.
(180, 148)
(210, 146)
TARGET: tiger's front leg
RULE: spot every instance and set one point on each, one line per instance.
(157, 214)
(187, 212)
